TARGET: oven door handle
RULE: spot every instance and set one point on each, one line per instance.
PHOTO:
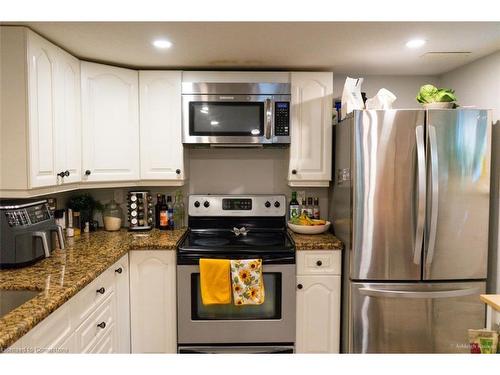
(268, 116)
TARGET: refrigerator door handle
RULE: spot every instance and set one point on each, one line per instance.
(435, 195)
(421, 192)
(411, 294)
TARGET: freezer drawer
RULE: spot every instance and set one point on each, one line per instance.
(414, 317)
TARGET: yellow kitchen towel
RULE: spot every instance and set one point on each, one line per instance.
(215, 281)
(247, 281)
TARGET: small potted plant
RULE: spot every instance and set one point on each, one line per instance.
(432, 97)
(85, 204)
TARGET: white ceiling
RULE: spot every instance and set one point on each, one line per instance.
(349, 47)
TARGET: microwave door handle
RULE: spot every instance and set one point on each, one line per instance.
(45, 245)
(267, 118)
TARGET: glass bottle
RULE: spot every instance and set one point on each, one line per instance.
(310, 207)
(163, 210)
(170, 212)
(316, 214)
(178, 210)
(294, 208)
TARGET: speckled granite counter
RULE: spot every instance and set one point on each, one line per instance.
(68, 271)
(323, 241)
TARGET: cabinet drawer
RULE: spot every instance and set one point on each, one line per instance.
(106, 342)
(321, 262)
(50, 335)
(89, 332)
(90, 297)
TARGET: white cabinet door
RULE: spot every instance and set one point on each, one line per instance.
(318, 314)
(152, 301)
(311, 129)
(42, 68)
(110, 123)
(160, 126)
(68, 129)
(122, 319)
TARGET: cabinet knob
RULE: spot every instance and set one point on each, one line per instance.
(294, 171)
(178, 171)
(66, 173)
(61, 174)
(319, 263)
(300, 286)
(101, 290)
(87, 172)
(102, 325)
(119, 270)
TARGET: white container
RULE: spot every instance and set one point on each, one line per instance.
(309, 229)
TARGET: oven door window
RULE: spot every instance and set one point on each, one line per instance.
(270, 309)
(226, 118)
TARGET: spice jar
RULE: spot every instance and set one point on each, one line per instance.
(112, 216)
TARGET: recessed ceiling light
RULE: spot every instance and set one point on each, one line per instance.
(162, 43)
(415, 43)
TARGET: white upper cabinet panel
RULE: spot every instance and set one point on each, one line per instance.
(42, 111)
(110, 123)
(311, 129)
(68, 129)
(160, 125)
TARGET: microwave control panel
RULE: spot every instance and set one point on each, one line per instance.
(281, 118)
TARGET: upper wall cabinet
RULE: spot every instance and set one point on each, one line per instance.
(40, 117)
(311, 129)
(110, 123)
(162, 155)
(68, 119)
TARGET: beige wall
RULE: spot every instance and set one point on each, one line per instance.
(478, 84)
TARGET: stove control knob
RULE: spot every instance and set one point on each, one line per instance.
(276, 204)
(267, 204)
(197, 204)
(206, 204)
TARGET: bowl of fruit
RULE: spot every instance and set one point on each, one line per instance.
(305, 225)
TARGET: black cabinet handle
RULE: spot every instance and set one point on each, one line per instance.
(87, 172)
(178, 171)
(294, 171)
(61, 174)
(66, 173)
(300, 286)
(119, 270)
(319, 263)
(101, 290)
(102, 325)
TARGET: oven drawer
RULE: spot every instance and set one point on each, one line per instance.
(320, 262)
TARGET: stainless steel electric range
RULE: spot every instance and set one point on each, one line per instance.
(237, 227)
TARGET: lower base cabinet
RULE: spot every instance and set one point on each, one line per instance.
(152, 301)
(95, 320)
(318, 301)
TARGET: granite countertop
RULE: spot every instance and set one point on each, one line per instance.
(323, 241)
(68, 271)
(492, 300)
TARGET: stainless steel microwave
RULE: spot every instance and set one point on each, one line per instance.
(236, 113)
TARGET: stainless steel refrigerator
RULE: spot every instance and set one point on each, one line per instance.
(410, 200)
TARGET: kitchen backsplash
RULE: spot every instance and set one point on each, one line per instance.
(222, 171)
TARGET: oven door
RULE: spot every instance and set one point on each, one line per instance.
(229, 119)
(271, 322)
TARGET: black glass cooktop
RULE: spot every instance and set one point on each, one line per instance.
(225, 243)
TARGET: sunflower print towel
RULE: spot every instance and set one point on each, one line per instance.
(247, 280)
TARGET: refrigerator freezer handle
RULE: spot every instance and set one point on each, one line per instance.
(435, 195)
(421, 192)
(413, 294)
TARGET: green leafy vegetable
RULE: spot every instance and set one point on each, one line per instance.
(431, 94)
